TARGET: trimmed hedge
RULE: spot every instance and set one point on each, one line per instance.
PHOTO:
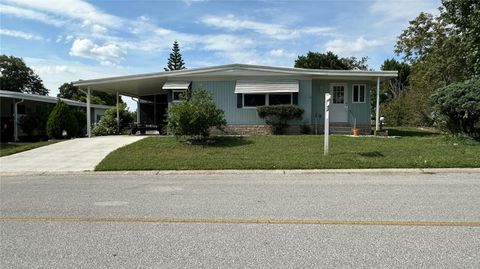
(278, 115)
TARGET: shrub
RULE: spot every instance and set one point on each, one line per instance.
(194, 117)
(457, 107)
(28, 123)
(61, 119)
(108, 124)
(278, 116)
(396, 112)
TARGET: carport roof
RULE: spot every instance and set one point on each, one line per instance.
(144, 84)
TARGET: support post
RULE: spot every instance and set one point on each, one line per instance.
(118, 116)
(15, 120)
(89, 117)
(377, 112)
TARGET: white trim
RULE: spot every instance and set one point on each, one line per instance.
(176, 85)
(46, 99)
(228, 69)
(267, 98)
(364, 93)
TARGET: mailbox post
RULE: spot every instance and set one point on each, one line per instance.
(328, 99)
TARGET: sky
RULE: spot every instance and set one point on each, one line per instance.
(68, 40)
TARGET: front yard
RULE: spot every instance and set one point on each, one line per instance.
(11, 148)
(415, 149)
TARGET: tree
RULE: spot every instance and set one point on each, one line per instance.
(457, 106)
(329, 60)
(175, 61)
(61, 119)
(398, 85)
(68, 91)
(18, 77)
(465, 15)
(278, 116)
(193, 118)
(108, 124)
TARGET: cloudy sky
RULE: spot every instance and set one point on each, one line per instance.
(67, 40)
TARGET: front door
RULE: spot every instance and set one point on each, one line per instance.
(338, 107)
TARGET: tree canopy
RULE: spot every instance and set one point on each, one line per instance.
(67, 90)
(18, 77)
(329, 60)
(175, 61)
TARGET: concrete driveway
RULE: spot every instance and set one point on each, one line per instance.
(81, 154)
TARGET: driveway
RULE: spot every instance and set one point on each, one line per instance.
(81, 154)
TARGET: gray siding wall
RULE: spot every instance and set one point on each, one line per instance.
(361, 111)
(223, 93)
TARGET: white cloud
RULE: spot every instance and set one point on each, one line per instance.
(396, 10)
(281, 53)
(76, 9)
(107, 54)
(20, 34)
(31, 15)
(344, 47)
(275, 31)
(53, 69)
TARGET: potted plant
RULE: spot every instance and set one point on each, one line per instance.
(355, 130)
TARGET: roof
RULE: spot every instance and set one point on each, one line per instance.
(46, 99)
(149, 83)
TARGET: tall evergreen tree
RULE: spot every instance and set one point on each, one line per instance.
(175, 61)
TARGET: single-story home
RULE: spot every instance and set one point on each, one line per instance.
(238, 89)
(15, 105)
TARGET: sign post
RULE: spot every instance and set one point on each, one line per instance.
(328, 98)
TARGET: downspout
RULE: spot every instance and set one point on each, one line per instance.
(15, 120)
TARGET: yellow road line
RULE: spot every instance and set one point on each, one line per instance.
(242, 221)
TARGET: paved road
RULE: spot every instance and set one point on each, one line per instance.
(177, 221)
(81, 154)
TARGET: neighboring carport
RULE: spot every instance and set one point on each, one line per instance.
(81, 154)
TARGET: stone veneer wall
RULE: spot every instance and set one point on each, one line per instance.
(261, 129)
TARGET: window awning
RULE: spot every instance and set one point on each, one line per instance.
(262, 86)
(176, 85)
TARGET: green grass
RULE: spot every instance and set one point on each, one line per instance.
(8, 149)
(415, 149)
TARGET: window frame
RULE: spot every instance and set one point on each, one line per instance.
(364, 93)
(267, 98)
(173, 95)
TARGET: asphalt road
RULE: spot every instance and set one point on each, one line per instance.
(237, 221)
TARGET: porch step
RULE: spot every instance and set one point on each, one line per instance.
(340, 130)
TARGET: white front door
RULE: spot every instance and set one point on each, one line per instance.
(338, 106)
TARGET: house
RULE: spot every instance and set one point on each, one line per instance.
(238, 88)
(15, 105)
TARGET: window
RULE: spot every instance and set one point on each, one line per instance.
(254, 100)
(338, 94)
(358, 94)
(279, 99)
(176, 95)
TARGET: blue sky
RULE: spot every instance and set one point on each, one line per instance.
(67, 40)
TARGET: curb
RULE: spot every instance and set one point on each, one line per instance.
(255, 172)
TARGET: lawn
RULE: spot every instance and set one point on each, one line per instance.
(415, 149)
(8, 149)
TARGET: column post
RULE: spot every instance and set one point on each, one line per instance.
(89, 117)
(118, 116)
(377, 112)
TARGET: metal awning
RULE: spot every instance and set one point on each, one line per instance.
(176, 85)
(263, 86)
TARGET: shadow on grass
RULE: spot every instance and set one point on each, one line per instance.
(371, 154)
(227, 142)
(411, 132)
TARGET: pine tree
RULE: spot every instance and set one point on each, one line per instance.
(175, 61)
